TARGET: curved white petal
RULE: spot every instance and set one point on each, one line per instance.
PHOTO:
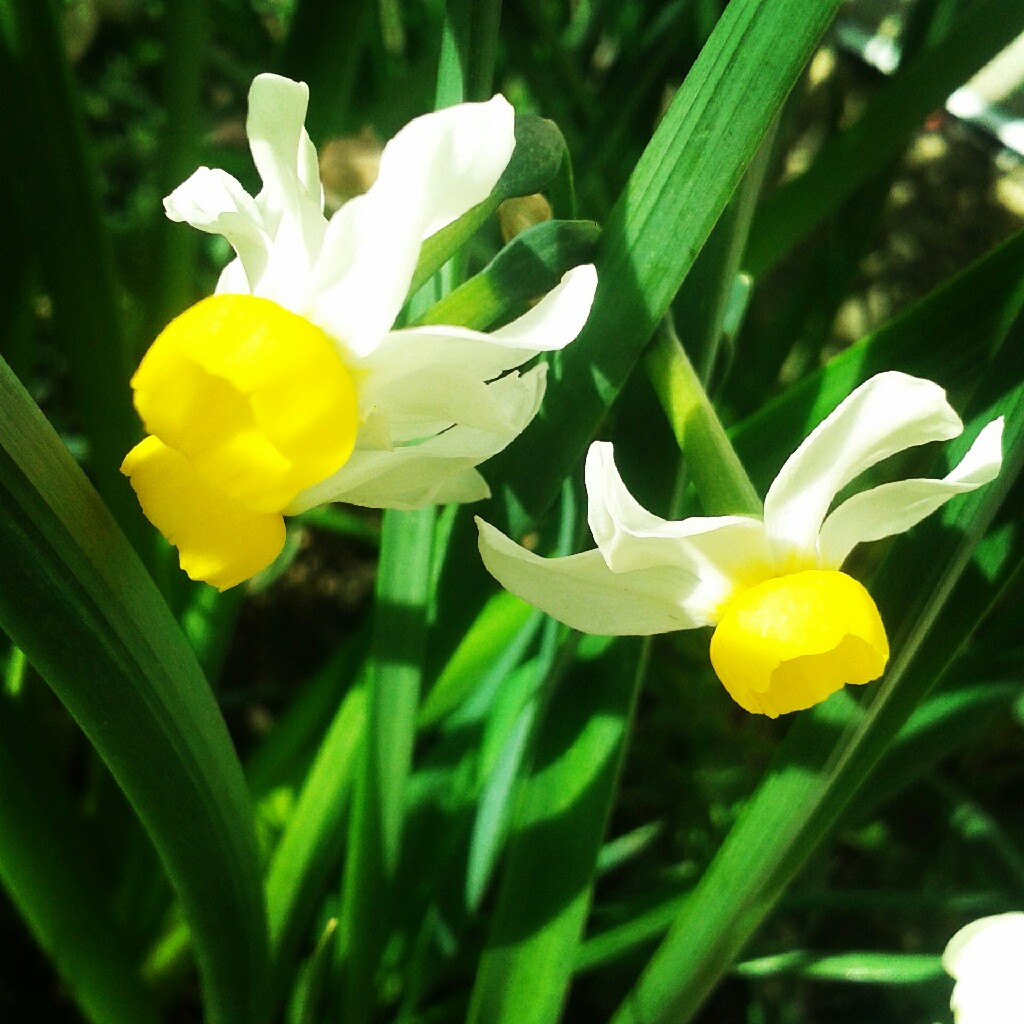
(291, 198)
(440, 371)
(434, 170)
(985, 959)
(362, 273)
(887, 414)
(713, 555)
(583, 592)
(213, 201)
(442, 164)
(896, 507)
(278, 139)
(557, 319)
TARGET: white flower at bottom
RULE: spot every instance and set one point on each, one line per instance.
(986, 958)
(790, 627)
(290, 387)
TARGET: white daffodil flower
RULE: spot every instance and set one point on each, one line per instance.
(288, 387)
(986, 958)
(790, 628)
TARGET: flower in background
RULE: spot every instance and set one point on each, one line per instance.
(790, 627)
(289, 386)
(987, 960)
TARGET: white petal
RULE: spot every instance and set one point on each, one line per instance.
(291, 201)
(213, 201)
(439, 470)
(985, 957)
(548, 327)
(434, 170)
(362, 274)
(442, 164)
(896, 507)
(583, 592)
(712, 556)
(558, 318)
(277, 138)
(887, 414)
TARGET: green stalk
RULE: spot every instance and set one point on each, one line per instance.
(722, 482)
(375, 833)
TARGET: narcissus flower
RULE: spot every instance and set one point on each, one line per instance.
(790, 628)
(987, 960)
(289, 386)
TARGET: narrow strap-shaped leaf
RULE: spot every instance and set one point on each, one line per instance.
(671, 202)
(558, 829)
(49, 877)
(310, 846)
(76, 599)
(469, 42)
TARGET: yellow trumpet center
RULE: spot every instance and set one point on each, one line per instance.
(248, 404)
(791, 641)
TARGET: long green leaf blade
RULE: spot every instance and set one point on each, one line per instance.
(45, 869)
(77, 601)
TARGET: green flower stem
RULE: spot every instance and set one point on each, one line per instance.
(723, 485)
(404, 585)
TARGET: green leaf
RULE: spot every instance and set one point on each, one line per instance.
(557, 834)
(489, 650)
(308, 849)
(77, 601)
(375, 826)
(52, 880)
